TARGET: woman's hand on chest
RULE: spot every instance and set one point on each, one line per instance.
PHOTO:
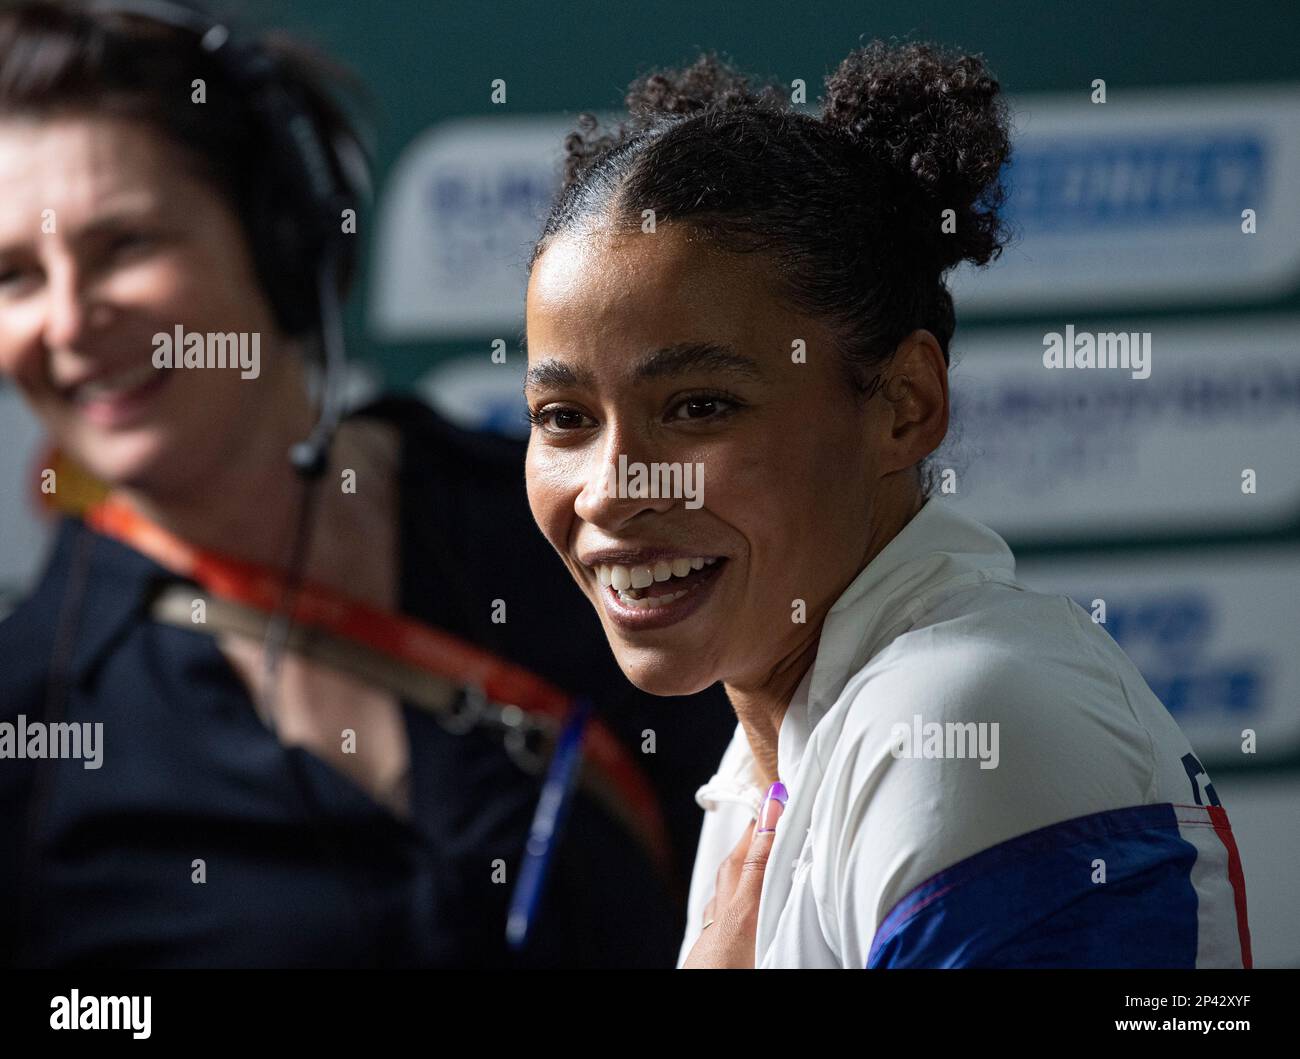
(731, 918)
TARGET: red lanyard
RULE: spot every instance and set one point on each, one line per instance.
(395, 635)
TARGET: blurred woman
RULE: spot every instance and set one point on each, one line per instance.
(242, 813)
(743, 296)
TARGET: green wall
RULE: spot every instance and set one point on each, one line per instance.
(426, 62)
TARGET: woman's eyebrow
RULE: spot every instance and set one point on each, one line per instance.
(555, 375)
(108, 221)
(671, 360)
(696, 356)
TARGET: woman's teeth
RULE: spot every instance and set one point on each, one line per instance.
(123, 382)
(627, 581)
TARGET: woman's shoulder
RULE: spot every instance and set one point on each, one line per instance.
(995, 650)
(88, 595)
(983, 725)
(28, 631)
(1020, 705)
(34, 606)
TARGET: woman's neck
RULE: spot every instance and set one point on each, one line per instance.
(761, 708)
(249, 505)
(244, 504)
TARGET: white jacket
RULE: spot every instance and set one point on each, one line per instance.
(1090, 836)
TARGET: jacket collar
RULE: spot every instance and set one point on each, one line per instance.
(938, 552)
(101, 591)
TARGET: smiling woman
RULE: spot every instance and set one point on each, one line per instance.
(135, 242)
(784, 323)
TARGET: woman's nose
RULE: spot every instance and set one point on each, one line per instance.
(622, 482)
(72, 311)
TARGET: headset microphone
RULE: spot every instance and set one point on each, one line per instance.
(311, 457)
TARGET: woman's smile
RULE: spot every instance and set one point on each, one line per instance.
(115, 399)
(655, 593)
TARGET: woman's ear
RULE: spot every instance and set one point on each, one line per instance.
(916, 394)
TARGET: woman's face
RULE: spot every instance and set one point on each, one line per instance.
(655, 349)
(106, 239)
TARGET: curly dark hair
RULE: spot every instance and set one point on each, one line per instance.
(849, 205)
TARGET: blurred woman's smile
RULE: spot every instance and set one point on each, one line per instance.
(114, 399)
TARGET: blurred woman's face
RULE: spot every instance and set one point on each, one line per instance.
(653, 349)
(106, 239)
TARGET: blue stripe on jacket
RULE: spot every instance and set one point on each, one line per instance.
(1032, 902)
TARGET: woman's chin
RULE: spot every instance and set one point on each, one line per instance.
(131, 461)
(657, 673)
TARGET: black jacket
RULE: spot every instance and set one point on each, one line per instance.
(96, 864)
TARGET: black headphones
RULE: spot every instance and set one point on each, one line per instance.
(296, 232)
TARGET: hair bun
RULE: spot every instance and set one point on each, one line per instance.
(935, 120)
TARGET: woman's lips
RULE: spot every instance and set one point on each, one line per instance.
(119, 401)
(663, 603)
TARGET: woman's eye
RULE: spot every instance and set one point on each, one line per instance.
(127, 244)
(559, 418)
(11, 278)
(127, 241)
(703, 407)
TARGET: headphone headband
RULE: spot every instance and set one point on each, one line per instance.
(309, 182)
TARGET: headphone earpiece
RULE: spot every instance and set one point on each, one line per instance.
(307, 182)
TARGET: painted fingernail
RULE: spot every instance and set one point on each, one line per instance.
(773, 805)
